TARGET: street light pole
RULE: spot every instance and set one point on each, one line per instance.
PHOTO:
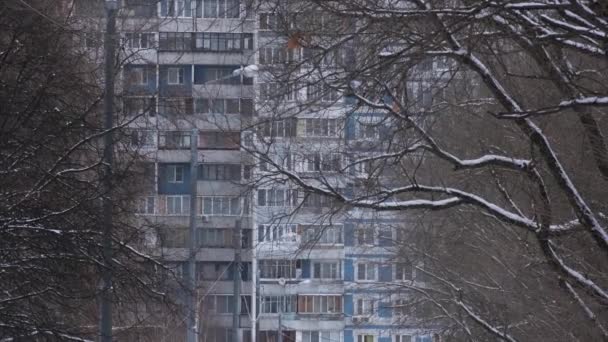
(105, 320)
(191, 307)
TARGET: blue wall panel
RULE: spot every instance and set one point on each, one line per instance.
(169, 188)
(349, 270)
(348, 305)
(384, 339)
(349, 234)
(385, 310)
(348, 336)
(178, 90)
(385, 273)
(305, 268)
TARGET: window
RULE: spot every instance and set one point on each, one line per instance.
(138, 76)
(365, 338)
(276, 269)
(139, 40)
(175, 173)
(278, 304)
(368, 131)
(214, 271)
(403, 338)
(327, 270)
(178, 205)
(322, 234)
(321, 128)
(174, 140)
(277, 232)
(279, 128)
(328, 162)
(218, 334)
(219, 304)
(219, 206)
(365, 236)
(277, 197)
(224, 106)
(175, 41)
(139, 105)
(175, 106)
(366, 271)
(146, 205)
(278, 55)
(402, 307)
(141, 138)
(364, 307)
(212, 41)
(215, 237)
(319, 304)
(230, 172)
(278, 92)
(175, 75)
(267, 21)
(404, 271)
(317, 201)
(213, 140)
(320, 336)
(322, 93)
(179, 8)
(282, 159)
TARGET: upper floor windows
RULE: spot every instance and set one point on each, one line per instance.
(317, 127)
(321, 336)
(366, 271)
(200, 8)
(231, 172)
(277, 268)
(205, 41)
(277, 197)
(319, 304)
(139, 40)
(322, 234)
(175, 173)
(174, 139)
(139, 75)
(277, 232)
(279, 128)
(175, 75)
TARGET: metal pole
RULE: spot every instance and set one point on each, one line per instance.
(280, 324)
(237, 281)
(191, 306)
(105, 319)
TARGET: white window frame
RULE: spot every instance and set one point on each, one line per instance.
(364, 337)
(176, 75)
(366, 231)
(184, 204)
(140, 75)
(404, 338)
(216, 205)
(316, 128)
(326, 266)
(369, 267)
(321, 302)
(289, 196)
(330, 235)
(364, 306)
(173, 176)
(403, 266)
(146, 203)
(278, 233)
(322, 336)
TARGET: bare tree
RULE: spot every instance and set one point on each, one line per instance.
(483, 118)
(50, 207)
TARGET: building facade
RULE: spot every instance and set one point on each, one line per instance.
(308, 270)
